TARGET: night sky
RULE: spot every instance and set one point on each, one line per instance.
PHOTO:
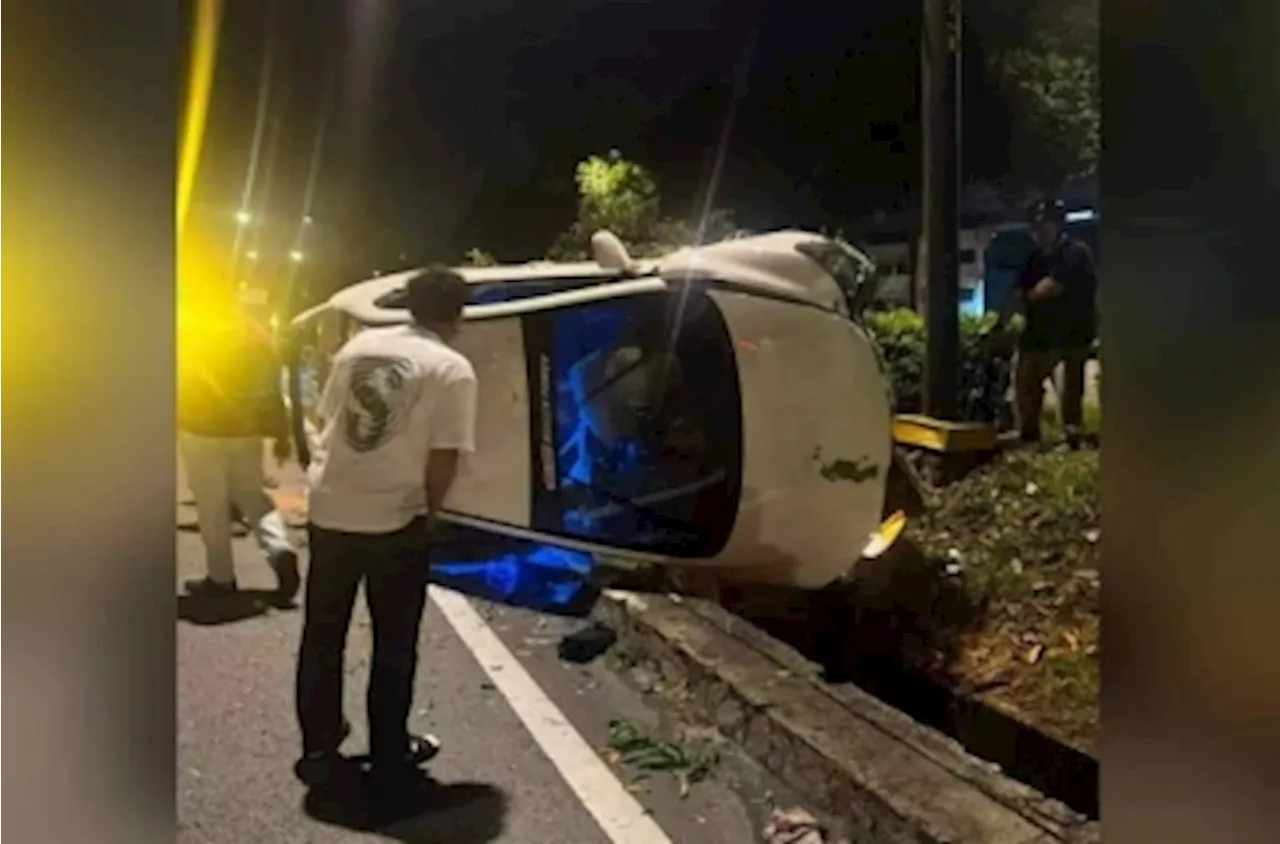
(445, 130)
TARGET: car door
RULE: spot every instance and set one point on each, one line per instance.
(624, 439)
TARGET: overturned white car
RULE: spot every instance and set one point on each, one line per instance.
(716, 407)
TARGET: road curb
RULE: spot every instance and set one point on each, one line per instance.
(877, 774)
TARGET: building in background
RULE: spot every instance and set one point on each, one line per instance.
(891, 254)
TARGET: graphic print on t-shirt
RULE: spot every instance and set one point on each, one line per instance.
(381, 392)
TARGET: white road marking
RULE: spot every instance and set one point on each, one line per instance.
(619, 814)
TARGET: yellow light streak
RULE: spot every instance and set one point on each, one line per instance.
(203, 60)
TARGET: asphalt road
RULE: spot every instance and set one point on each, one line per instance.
(495, 780)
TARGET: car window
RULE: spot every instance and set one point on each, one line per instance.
(637, 427)
(850, 270)
(489, 293)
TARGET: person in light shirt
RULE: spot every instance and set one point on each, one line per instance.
(397, 412)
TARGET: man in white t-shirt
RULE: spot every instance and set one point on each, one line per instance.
(397, 412)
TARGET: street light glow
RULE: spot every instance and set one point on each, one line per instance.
(296, 256)
(308, 220)
(252, 254)
(244, 217)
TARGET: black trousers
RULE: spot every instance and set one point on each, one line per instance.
(395, 573)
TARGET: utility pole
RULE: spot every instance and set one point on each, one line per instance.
(940, 115)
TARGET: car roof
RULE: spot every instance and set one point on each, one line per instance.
(769, 263)
(360, 300)
(766, 263)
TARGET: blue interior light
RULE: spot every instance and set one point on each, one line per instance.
(546, 578)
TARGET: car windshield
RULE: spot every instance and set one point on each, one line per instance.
(637, 427)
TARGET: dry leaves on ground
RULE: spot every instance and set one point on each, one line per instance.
(1022, 535)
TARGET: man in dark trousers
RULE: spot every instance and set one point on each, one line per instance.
(397, 412)
(1057, 292)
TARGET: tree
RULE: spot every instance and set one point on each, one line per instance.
(1052, 82)
(620, 195)
(613, 193)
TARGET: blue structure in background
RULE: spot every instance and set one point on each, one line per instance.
(974, 304)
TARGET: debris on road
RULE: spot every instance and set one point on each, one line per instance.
(794, 826)
(631, 747)
(587, 644)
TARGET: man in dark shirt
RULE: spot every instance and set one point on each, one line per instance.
(1057, 292)
(229, 402)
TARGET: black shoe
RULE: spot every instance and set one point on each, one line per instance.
(208, 587)
(288, 580)
(318, 767)
(419, 751)
(1074, 440)
(422, 749)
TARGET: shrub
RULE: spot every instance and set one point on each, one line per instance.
(478, 258)
(900, 336)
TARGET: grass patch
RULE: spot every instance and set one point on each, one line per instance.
(1073, 678)
(1051, 420)
(1022, 536)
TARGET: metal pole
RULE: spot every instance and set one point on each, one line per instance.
(940, 88)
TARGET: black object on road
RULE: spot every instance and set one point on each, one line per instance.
(587, 644)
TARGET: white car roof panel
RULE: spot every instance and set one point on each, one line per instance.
(769, 264)
(359, 301)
